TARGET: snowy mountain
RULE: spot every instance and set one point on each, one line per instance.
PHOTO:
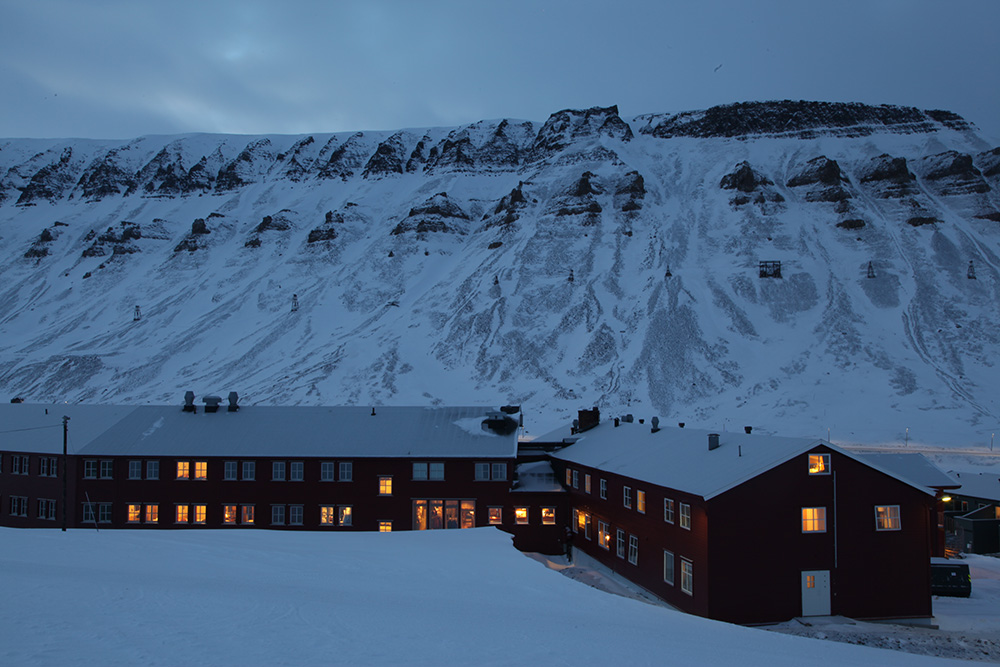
(587, 260)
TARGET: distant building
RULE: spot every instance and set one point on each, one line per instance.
(975, 511)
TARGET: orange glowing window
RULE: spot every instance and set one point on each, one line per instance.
(521, 515)
(183, 470)
(134, 513)
(181, 514)
(813, 519)
(345, 515)
(385, 486)
(199, 513)
(819, 464)
(247, 514)
(327, 515)
(229, 514)
(549, 516)
(152, 513)
(201, 470)
(810, 581)
(496, 516)
(581, 521)
(385, 526)
(603, 535)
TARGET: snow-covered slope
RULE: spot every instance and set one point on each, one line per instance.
(589, 260)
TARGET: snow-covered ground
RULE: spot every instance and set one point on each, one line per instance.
(440, 597)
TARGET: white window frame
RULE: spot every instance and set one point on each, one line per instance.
(249, 470)
(576, 479)
(107, 469)
(824, 459)
(685, 516)
(348, 515)
(620, 543)
(345, 471)
(90, 469)
(482, 472)
(231, 471)
(153, 469)
(420, 471)
(604, 489)
(135, 469)
(687, 576)
(296, 471)
(435, 471)
(277, 515)
(499, 472)
(819, 520)
(603, 535)
(888, 520)
(633, 549)
(278, 469)
(668, 510)
(295, 513)
(627, 496)
(668, 567)
(327, 471)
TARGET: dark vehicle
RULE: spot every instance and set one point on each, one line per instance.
(950, 577)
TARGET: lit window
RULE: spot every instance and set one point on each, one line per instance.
(819, 464)
(385, 526)
(183, 470)
(549, 516)
(576, 520)
(810, 581)
(199, 513)
(88, 513)
(521, 515)
(687, 577)
(586, 483)
(134, 513)
(345, 515)
(668, 510)
(420, 471)
(295, 515)
(106, 468)
(813, 519)
(640, 501)
(277, 515)
(482, 472)
(247, 514)
(685, 516)
(620, 544)
(603, 535)
(627, 496)
(296, 471)
(569, 477)
(604, 489)
(249, 470)
(499, 472)
(633, 549)
(104, 512)
(152, 470)
(135, 469)
(201, 470)
(668, 567)
(327, 515)
(887, 517)
(437, 471)
(496, 516)
(229, 514)
(576, 479)
(346, 471)
(230, 470)
(181, 514)
(326, 471)
(278, 471)
(581, 521)
(90, 469)
(385, 486)
(152, 513)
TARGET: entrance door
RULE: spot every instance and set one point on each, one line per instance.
(816, 593)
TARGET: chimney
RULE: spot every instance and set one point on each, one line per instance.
(713, 441)
(234, 399)
(617, 422)
(655, 421)
(748, 429)
(189, 405)
(588, 419)
(680, 424)
(212, 403)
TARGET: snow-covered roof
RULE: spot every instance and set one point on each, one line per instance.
(453, 432)
(26, 427)
(679, 458)
(913, 467)
(985, 485)
(537, 476)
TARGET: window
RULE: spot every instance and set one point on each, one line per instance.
(482, 471)
(230, 471)
(437, 471)
(687, 577)
(576, 520)
(521, 516)
(152, 513)
(586, 483)
(295, 515)
(229, 514)
(247, 517)
(278, 471)
(668, 567)
(18, 464)
(296, 471)
(48, 466)
(18, 506)
(668, 510)
(819, 464)
(499, 472)
(887, 517)
(627, 496)
(249, 470)
(90, 469)
(633, 549)
(199, 513)
(327, 515)
(326, 471)
(604, 489)
(569, 477)
(620, 545)
(582, 519)
(576, 479)
(549, 516)
(183, 470)
(345, 515)
(104, 512)
(496, 516)
(201, 470)
(277, 515)
(640, 501)
(181, 514)
(385, 526)
(107, 467)
(420, 471)
(813, 519)
(88, 513)
(152, 470)
(346, 473)
(385, 485)
(603, 535)
(46, 509)
(134, 513)
(685, 516)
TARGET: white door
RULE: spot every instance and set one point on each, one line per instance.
(816, 593)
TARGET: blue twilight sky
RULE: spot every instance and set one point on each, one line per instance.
(124, 68)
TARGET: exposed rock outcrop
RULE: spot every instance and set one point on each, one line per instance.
(952, 173)
(569, 126)
(436, 214)
(822, 180)
(889, 177)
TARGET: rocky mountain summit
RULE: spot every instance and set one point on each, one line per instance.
(796, 266)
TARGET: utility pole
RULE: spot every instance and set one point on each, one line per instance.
(65, 471)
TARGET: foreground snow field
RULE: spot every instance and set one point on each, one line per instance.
(262, 597)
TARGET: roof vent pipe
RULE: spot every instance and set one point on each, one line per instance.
(212, 403)
(655, 421)
(713, 441)
(748, 429)
(617, 422)
(373, 411)
(189, 405)
(234, 400)
(680, 424)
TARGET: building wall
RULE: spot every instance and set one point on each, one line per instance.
(21, 478)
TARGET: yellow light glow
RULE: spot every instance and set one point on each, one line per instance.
(201, 470)
(946, 499)
(521, 515)
(818, 464)
(385, 526)
(183, 469)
